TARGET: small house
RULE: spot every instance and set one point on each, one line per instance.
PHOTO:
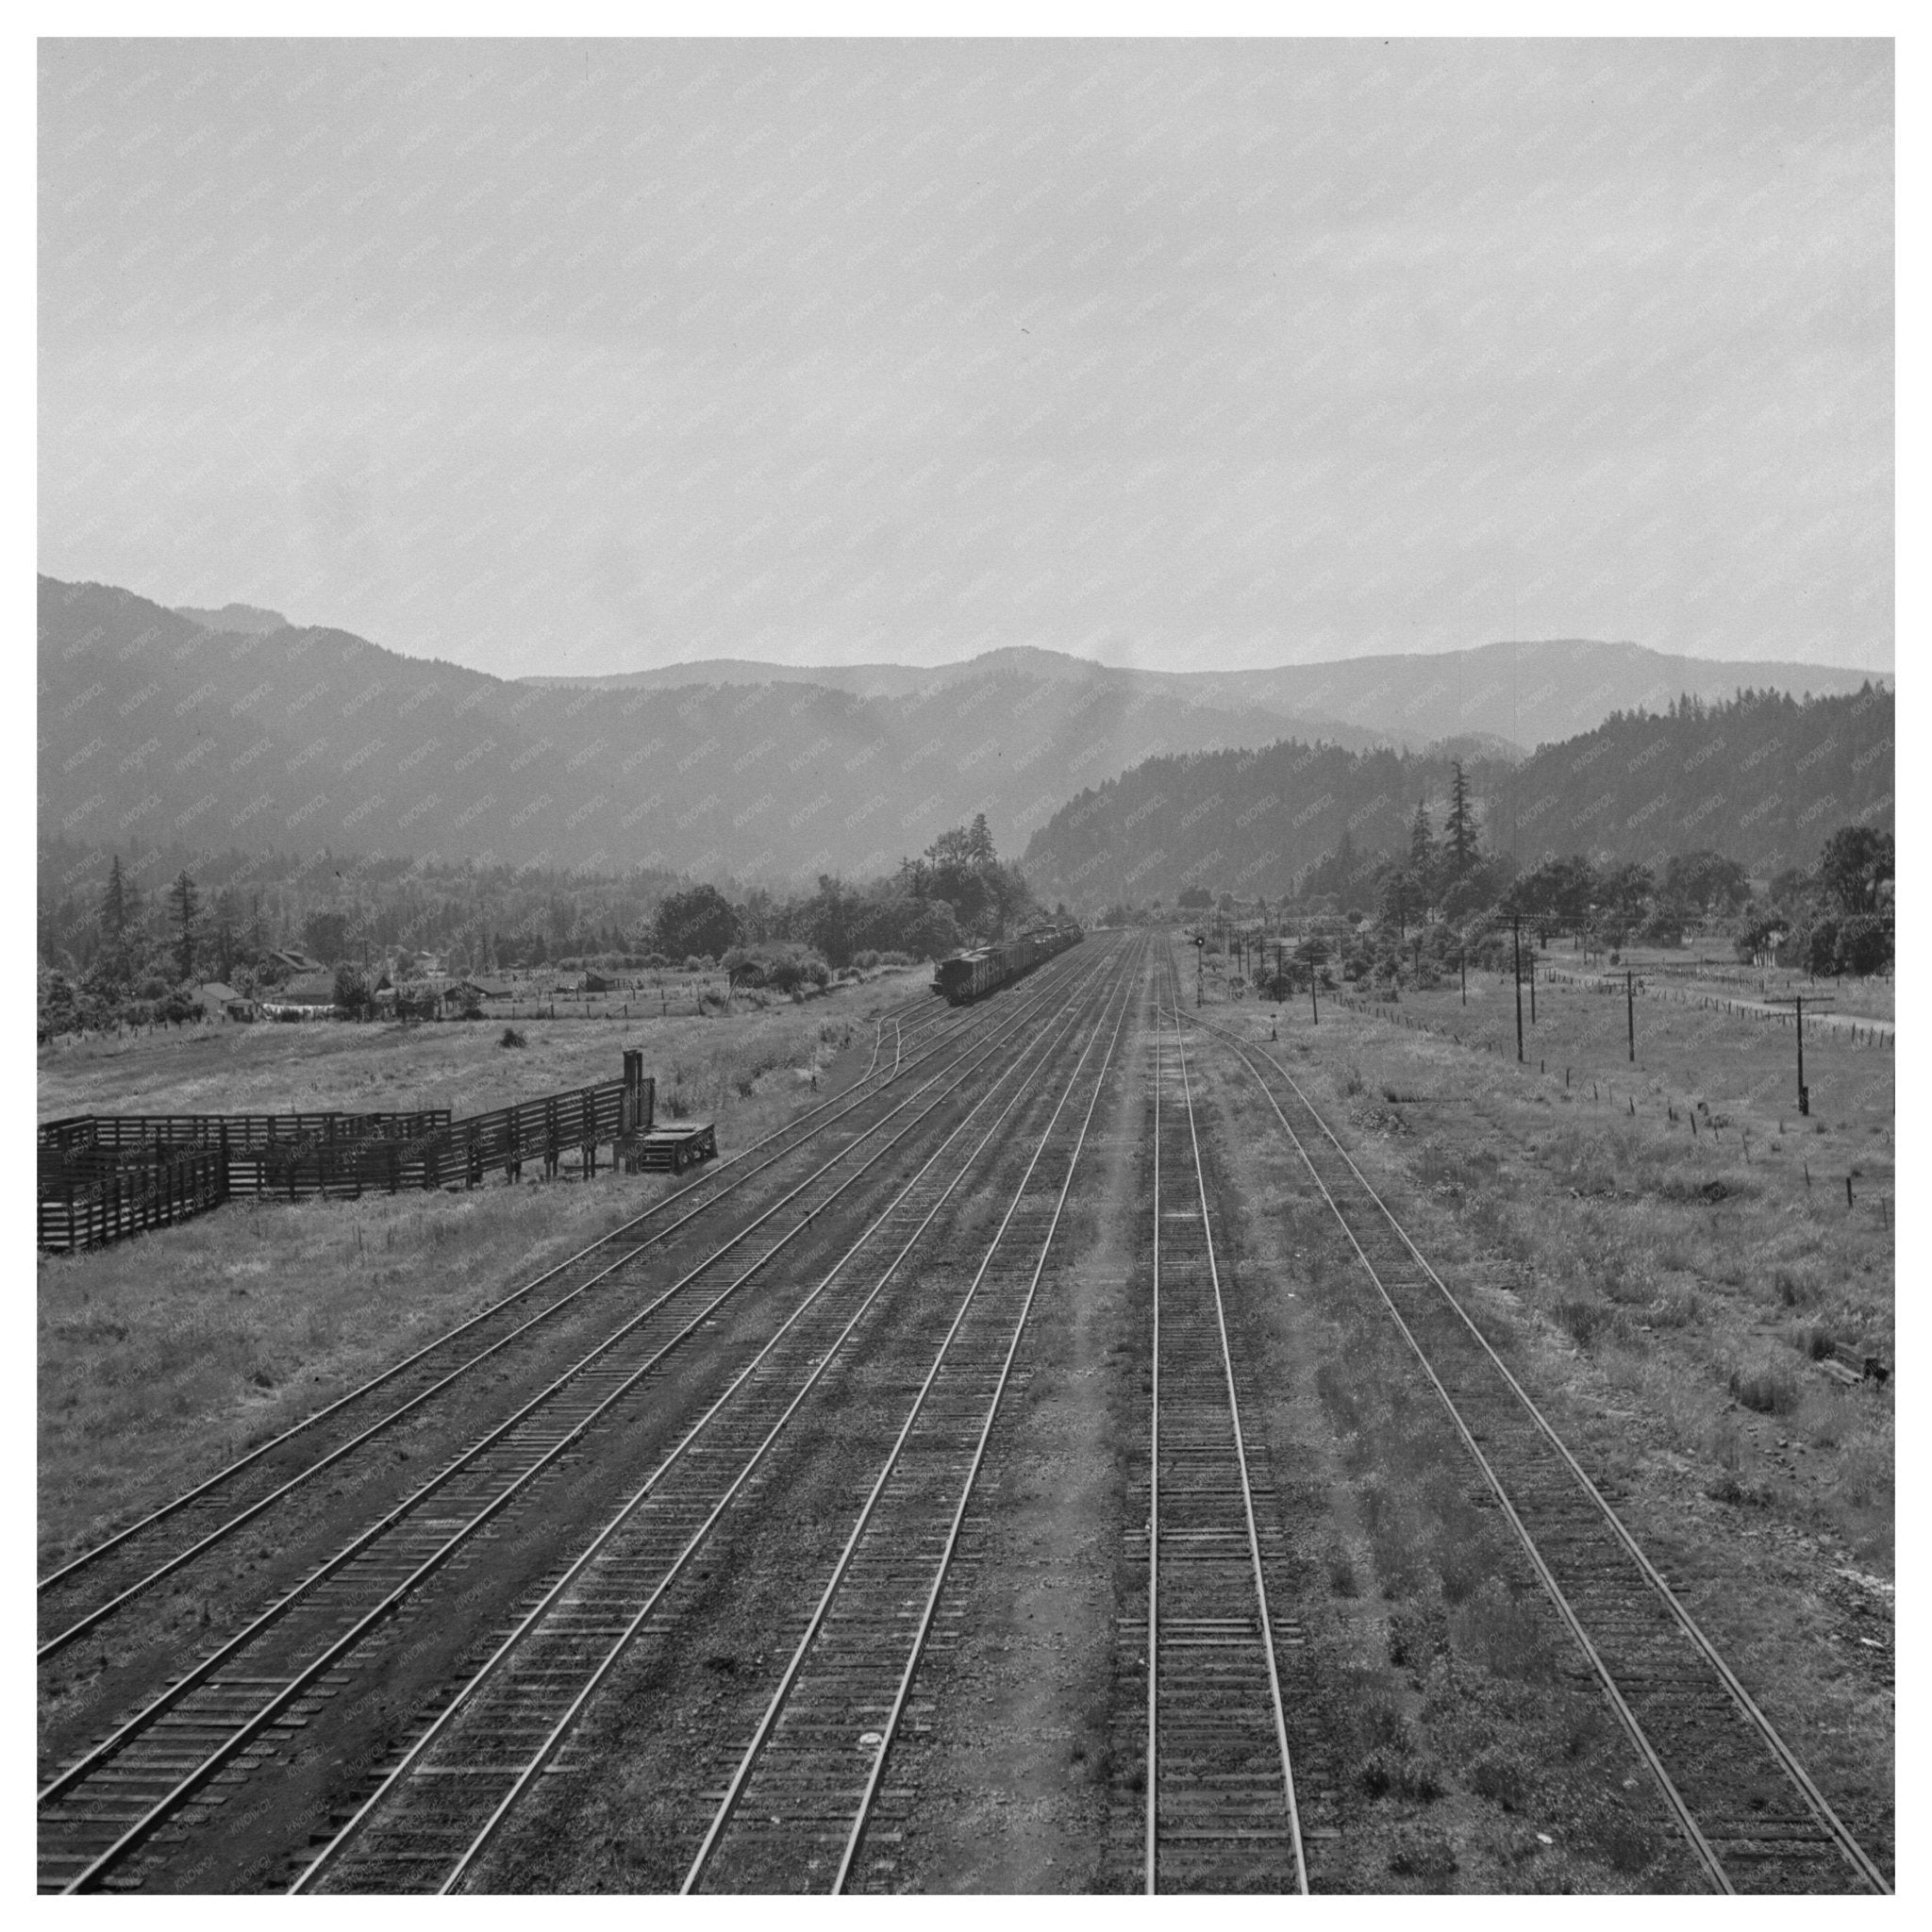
(309, 996)
(220, 1002)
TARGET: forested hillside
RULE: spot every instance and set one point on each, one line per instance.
(1762, 778)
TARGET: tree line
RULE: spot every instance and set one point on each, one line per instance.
(1418, 915)
(127, 955)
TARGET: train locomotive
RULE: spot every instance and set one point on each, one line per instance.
(967, 976)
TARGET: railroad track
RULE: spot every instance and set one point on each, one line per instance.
(794, 1809)
(79, 1597)
(436, 1810)
(99, 1811)
(1220, 1812)
(1754, 1818)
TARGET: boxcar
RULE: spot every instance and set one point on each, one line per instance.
(968, 976)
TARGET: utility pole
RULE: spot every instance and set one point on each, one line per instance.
(1804, 1091)
(1516, 959)
(1462, 966)
(1797, 1002)
(1532, 982)
(1630, 1012)
(1200, 968)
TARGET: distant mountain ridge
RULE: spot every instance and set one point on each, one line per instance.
(158, 731)
(243, 619)
(1521, 694)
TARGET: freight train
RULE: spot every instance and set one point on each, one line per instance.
(966, 976)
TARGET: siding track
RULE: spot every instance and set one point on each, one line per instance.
(435, 1813)
(795, 1811)
(1221, 1799)
(99, 1810)
(1752, 1814)
(80, 1595)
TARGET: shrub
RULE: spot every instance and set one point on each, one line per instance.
(1505, 1636)
(1584, 1320)
(1812, 1339)
(1792, 1293)
(1502, 1776)
(512, 1038)
(1410, 1774)
(1422, 1851)
(1768, 1389)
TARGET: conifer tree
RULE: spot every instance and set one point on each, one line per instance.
(1459, 828)
(183, 908)
(1421, 847)
(113, 914)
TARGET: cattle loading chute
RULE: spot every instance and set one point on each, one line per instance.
(967, 976)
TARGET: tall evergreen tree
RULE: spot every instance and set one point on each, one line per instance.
(1422, 845)
(184, 906)
(113, 913)
(1459, 828)
(979, 843)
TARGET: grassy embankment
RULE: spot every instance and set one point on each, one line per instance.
(162, 1358)
(1681, 1245)
(1665, 1297)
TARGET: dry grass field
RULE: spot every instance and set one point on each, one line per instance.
(266, 1068)
(1678, 1217)
(161, 1358)
(1667, 1296)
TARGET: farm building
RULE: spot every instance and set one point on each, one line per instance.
(289, 960)
(309, 996)
(220, 1002)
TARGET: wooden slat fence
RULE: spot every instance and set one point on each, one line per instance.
(105, 1175)
(88, 1197)
(459, 1152)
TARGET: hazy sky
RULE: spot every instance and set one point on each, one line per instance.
(567, 356)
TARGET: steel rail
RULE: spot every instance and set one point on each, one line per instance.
(576, 1368)
(889, 1729)
(1277, 1713)
(1234, 1411)
(229, 1470)
(1151, 1855)
(464, 1700)
(180, 1559)
(768, 1719)
(281, 1699)
(1853, 1854)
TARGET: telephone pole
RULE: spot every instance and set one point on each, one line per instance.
(1516, 959)
(1630, 1013)
(1797, 1002)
